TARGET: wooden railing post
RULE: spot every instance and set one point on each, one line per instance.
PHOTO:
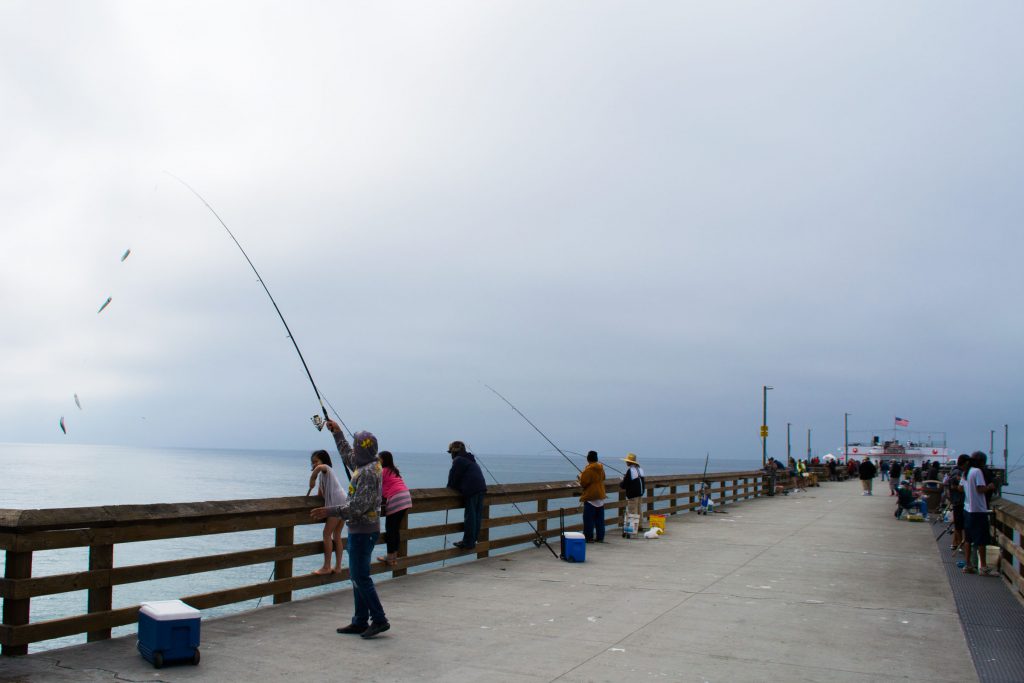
(673, 501)
(693, 496)
(284, 536)
(485, 533)
(542, 524)
(16, 612)
(100, 599)
(403, 545)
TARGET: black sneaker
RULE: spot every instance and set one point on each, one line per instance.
(354, 629)
(376, 628)
(459, 544)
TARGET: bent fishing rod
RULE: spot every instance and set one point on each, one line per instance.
(316, 419)
(537, 429)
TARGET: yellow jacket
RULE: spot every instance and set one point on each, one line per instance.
(592, 481)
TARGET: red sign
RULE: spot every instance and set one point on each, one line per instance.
(934, 452)
(854, 450)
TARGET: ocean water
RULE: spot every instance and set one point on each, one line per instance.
(63, 476)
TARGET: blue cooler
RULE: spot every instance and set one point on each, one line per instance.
(169, 632)
(575, 546)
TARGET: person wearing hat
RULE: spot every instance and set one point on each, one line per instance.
(466, 478)
(632, 485)
(362, 513)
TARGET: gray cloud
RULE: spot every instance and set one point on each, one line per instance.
(625, 218)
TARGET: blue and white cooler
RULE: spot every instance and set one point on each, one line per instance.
(169, 632)
(575, 546)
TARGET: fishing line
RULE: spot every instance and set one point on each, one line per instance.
(337, 415)
(604, 464)
(534, 426)
(540, 539)
(270, 296)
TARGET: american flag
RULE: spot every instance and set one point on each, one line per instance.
(900, 422)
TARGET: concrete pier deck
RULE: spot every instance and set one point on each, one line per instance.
(822, 585)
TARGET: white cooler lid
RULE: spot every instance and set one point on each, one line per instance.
(574, 534)
(168, 610)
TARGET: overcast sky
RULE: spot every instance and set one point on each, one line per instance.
(626, 217)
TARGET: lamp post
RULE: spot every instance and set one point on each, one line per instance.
(846, 434)
(808, 444)
(991, 443)
(1006, 454)
(764, 424)
(789, 450)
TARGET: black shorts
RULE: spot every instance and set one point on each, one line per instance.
(977, 528)
(958, 517)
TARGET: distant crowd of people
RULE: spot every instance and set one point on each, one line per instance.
(965, 490)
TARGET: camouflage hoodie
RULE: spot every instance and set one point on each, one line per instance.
(362, 511)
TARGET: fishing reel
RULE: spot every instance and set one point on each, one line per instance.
(318, 422)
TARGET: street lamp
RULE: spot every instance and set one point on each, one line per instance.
(789, 449)
(846, 435)
(764, 424)
(808, 444)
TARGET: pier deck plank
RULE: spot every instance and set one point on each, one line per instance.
(822, 585)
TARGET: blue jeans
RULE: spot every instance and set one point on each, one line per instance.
(593, 519)
(367, 604)
(471, 522)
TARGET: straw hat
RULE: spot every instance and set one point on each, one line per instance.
(631, 459)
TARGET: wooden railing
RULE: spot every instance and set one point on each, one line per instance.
(101, 529)
(1009, 532)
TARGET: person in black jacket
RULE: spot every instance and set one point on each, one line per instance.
(466, 478)
(867, 471)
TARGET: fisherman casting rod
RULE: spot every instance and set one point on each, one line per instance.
(316, 419)
(534, 426)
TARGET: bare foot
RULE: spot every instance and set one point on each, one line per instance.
(382, 559)
(337, 570)
(322, 571)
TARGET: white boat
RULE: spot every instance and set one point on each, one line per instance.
(899, 444)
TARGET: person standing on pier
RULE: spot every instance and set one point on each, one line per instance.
(592, 482)
(867, 473)
(955, 485)
(894, 476)
(466, 478)
(362, 512)
(632, 485)
(976, 488)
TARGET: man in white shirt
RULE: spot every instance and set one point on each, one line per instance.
(976, 515)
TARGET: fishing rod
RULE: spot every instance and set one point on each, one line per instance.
(316, 419)
(534, 426)
(540, 539)
(605, 464)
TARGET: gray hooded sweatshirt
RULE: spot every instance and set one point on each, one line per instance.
(362, 511)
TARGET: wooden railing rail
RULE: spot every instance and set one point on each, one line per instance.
(101, 529)
(1009, 532)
